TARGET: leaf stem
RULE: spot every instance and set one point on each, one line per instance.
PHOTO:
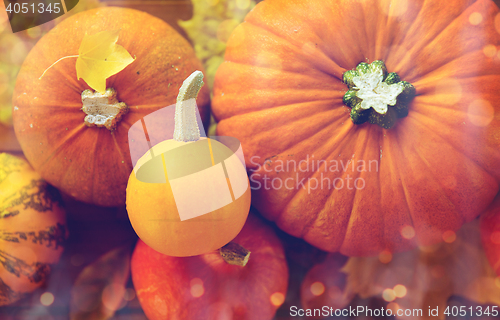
(75, 56)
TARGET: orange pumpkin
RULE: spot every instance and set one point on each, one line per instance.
(360, 188)
(32, 229)
(207, 287)
(93, 164)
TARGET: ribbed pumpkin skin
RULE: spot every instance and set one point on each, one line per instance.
(280, 93)
(93, 164)
(164, 284)
(32, 229)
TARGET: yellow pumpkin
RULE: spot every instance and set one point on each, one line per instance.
(32, 229)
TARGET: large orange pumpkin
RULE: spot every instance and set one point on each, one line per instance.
(93, 163)
(32, 229)
(360, 188)
(208, 287)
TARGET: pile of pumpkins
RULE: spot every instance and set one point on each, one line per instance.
(280, 92)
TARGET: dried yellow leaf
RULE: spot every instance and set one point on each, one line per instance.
(99, 57)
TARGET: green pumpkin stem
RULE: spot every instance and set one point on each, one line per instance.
(374, 77)
(235, 254)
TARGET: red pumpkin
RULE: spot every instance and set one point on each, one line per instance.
(207, 287)
(324, 285)
(93, 164)
(32, 229)
(490, 234)
(361, 188)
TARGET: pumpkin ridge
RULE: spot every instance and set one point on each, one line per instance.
(117, 146)
(372, 133)
(71, 135)
(433, 75)
(253, 113)
(318, 131)
(441, 192)
(298, 192)
(402, 183)
(273, 106)
(396, 170)
(327, 60)
(423, 43)
(460, 20)
(486, 77)
(305, 59)
(72, 107)
(483, 168)
(405, 34)
(472, 161)
(94, 167)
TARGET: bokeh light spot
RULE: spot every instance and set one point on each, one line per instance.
(475, 18)
(34, 32)
(317, 288)
(490, 50)
(399, 290)
(497, 282)
(394, 307)
(277, 299)
(47, 299)
(497, 22)
(197, 289)
(449, 236)
(480, 112)
(385, 256)
(408, 232)
(388, 295)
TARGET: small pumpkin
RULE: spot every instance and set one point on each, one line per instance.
(188, 195)
(490, 234)
(93, 163)
(324, 285)
(208, 287)
(329, 162)
(32, 229)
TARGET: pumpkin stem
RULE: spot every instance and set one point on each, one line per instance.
(103, 110)
(375, 95)
(235, 254)
(186, 126)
